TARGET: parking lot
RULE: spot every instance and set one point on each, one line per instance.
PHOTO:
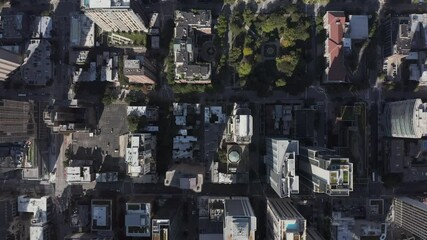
(103, 148)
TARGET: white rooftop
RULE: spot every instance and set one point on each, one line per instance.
(36, 232)
(37, 206)
(139, 154)
(78, 174)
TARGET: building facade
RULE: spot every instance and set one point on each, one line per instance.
(411, 215)
(9, 63)
(406, 119)
(113, 15)
(325, 171)
(284, 222)
(280, 162)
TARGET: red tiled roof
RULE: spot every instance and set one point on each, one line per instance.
(336, 22)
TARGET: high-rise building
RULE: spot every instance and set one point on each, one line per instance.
(239, 126)
(9, 62)
(406, 119)
(113, 15)
(239, 219)
(284, 222)
(326, 171)
(410, 215)
(41, 208)
(16, 121)
(280, 163)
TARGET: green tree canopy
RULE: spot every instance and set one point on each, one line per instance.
(221, 26)
(247, 51)
(273, 22)
(287, 63)
(234, 55)
(136, 123)
(280, 82)
(244, 69)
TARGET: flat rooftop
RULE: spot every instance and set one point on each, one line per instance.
(105, 3)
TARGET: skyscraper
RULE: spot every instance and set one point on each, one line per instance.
(113, 15)
(284, 222)
(9, 62)
(280, 163)
(406, 119)
(239, 219)
(411, 215)
(16, 121)
(326, 171)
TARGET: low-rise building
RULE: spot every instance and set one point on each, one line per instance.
(334, 24)
(101, 215)
(140, 71)
(108, 66)
(190, 27)
(79, 175)
(138, 217)
(187, 118)
(345, 227)
(107, 177)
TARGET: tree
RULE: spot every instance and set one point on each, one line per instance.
(273, 22)
(280, 82)
(247, 51)
(221, 26)
(244, 69)
(136, 123)
(287, 63)
(248, 16)
(234, 55)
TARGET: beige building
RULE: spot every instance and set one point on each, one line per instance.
(113, 15)
(9, 62)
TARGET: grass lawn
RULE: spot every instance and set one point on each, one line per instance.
(30, 155)
(139, 38)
